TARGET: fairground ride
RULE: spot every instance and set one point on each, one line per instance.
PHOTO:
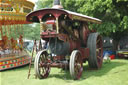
(12, 19)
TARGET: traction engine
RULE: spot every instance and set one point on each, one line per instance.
(68, 41)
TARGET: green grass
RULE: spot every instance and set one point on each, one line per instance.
(113, 73)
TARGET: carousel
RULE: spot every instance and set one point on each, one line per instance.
(12, 19)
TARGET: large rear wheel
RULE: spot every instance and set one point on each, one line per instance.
(41, 66)
(76, 65)
(95, 46)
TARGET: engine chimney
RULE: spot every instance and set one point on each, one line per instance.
(57, 4)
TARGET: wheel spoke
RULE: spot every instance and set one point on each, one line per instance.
(42, 72)
(100, 58)
(76, 67)
(41, 58)
(98, 49)
(98, 41)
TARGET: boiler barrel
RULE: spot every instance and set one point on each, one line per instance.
(58, 47)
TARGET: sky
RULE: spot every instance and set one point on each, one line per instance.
(34, 0)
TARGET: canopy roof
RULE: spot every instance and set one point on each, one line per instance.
(39, 14)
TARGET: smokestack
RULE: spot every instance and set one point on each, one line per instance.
(57, 4)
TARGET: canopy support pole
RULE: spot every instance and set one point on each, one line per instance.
(41, 27)
(57, 25)
(1, 30)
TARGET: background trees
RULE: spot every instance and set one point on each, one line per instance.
(32, 31)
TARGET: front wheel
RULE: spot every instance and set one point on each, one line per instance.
(76, 65)
(41, 66)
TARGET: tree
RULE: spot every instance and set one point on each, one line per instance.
(32, 31)
(44, 4)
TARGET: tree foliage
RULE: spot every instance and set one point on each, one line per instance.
(44, 4)
(32, 31)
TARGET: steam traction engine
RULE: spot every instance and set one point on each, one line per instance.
(69, 43)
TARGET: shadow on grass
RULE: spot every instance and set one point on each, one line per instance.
(87, 72)
(63, 74)
(106, 67)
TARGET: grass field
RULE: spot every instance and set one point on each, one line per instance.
(113, 73)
